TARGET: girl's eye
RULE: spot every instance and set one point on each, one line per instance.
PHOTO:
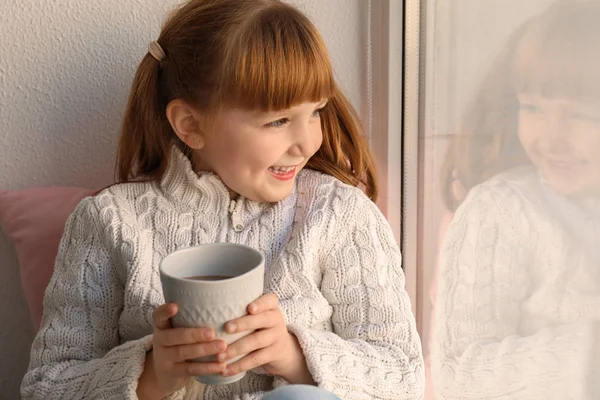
(277, 124)
(317, 113)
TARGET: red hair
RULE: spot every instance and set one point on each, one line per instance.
(252, 54)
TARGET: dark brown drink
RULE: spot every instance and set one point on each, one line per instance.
(208, 277)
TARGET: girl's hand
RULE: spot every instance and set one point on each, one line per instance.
(166, 369)
(271, 346)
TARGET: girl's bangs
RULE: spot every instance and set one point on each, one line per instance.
(278, 61)
(559, 59)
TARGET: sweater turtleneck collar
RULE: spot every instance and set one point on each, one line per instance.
(205, 191)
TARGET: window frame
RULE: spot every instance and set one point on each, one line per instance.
(393, 122)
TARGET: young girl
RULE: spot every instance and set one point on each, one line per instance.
(235, 132)
(518, 309)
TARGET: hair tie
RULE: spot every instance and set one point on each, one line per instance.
(156, 51)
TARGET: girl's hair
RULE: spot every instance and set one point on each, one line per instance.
(554, 54)
(250, 54)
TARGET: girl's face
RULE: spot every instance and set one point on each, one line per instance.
(258, 155)
(562, 139)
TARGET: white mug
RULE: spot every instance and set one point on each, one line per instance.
(212, 303)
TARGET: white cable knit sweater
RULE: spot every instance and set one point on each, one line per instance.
(330, 257)
(518, 304)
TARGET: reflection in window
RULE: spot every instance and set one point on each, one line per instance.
(510, 178)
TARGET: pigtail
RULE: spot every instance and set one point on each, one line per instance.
(146, 134)
(487, 142)
(345, 153)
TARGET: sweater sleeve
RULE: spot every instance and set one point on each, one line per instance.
(374, 351)
(77, 352)
(478, 350)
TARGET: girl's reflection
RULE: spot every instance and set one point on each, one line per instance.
(518, 300)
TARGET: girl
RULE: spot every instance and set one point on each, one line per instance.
(235, 131)
(518, 308)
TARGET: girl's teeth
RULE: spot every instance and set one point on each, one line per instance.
(281, 170)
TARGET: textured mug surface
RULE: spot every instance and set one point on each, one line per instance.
(212, 303)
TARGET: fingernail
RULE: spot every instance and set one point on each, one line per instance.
(221, 357)
(208, 334)
(231, 327)
(253, 308)
(220, 346)
(226, 372)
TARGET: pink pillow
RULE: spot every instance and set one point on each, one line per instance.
(34, 221)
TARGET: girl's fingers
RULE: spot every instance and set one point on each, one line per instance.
(252, 360)
(188, 369)
(264, 303)
(178, 354)
(248, 344)
(264, 320)
(179, 336)
(162, 315)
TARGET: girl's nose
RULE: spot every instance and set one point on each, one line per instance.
(304, 141)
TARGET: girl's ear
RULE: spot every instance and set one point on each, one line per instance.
(185, 121)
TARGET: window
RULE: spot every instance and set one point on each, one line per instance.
(452, 43)
(458, 55)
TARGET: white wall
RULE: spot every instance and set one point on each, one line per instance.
(65, 70)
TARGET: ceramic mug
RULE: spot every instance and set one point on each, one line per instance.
(213, 284)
